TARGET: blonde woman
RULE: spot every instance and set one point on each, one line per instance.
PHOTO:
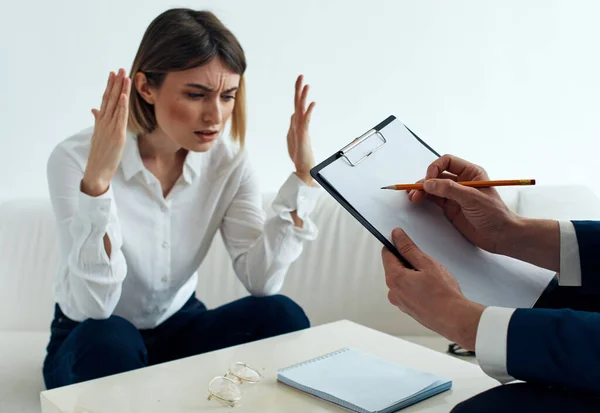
(139, 198)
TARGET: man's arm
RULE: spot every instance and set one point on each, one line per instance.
(545, 346)
(579, 261)
(570, 248)
(536, 241)
(555, 347)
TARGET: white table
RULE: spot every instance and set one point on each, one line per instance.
(181, 386)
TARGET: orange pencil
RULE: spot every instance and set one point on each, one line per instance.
(473, 184)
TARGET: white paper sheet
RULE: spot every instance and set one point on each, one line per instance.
(483, 277)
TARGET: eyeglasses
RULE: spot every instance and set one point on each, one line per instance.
(227, 389)
(457, 350)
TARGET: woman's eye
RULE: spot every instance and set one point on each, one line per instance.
(195, 95)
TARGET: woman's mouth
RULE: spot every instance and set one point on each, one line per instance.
(206, 135)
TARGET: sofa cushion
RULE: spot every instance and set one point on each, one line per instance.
(338, 276)
(28, 262)
(21, 381)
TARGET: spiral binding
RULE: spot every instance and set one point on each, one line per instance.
(320, 358)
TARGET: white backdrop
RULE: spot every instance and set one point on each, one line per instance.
(513, 85)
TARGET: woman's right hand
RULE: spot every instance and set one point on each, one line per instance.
(109, 137)
(479, 214)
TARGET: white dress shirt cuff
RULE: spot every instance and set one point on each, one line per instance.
(96, 216)
(295, 195)
(491, 342)
(96, 209)
(570, 268)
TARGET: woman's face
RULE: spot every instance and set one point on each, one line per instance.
(193, 106)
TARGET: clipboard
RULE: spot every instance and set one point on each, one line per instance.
(375, 132)
(391, 153)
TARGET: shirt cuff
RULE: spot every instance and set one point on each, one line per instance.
(96, 209)
(295, 195)
(570, 268)
(491, 342)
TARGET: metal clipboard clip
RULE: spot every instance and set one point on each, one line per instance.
(358, 141)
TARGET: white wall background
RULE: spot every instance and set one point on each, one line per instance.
(513, 85)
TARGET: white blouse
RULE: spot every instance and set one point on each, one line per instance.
(158, 243)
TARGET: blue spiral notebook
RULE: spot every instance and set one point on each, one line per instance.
(363, 383)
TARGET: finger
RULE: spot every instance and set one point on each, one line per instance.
(408, 249)
(418, 195)
(412, 192)
(441, 202)
(392, 298)
(298, 92)
(109, 85)
(446, 188)
(395, 271)
(390, 280)
(303, 98)
(95, 113)
(392, 265)
(456, 166)
(309, 111)
(126, 86)
(122, 112)
(388, 259)
(291, 133)
(396, 301)
(292, 120)
(113, 98)
(446, 175)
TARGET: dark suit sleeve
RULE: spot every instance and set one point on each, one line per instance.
(558, 342)
(588, 240)
(555, 347)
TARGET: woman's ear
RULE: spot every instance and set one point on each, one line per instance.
(143, 88)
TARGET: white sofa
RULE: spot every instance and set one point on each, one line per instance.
(338, 276)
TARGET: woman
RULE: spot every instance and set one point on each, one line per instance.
(139, 199)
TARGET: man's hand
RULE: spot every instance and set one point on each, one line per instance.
(483, 217)
(430, 294)
(479, 214)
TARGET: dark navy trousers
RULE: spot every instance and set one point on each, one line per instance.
(80, 351)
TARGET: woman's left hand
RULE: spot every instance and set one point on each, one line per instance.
(298, 140)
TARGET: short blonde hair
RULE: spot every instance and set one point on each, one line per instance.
(181, 39)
